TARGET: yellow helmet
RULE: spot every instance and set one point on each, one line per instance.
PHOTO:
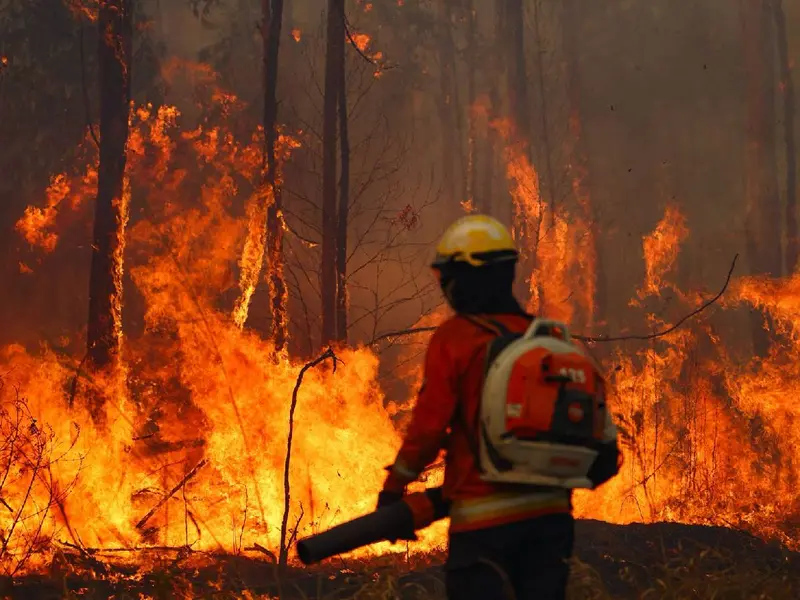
(475, 239)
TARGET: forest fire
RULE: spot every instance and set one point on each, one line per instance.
(685, 418)
(164, 416)
(201, 402)
(209, 431)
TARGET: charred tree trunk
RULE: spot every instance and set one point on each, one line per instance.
(111, 209)
(343, 216)
(761, 191)
(495, 201)
(456, 106)
(272, 13)
(333, 59)
(579, 161)
(519, 105)
(787, 85)
(519, 102)
(471, 176)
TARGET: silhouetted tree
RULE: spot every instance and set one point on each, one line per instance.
(787, 86)
(342, 218)
(105, 285)
(579, 158)
(761, 170)
(272, 17)
(334, 56)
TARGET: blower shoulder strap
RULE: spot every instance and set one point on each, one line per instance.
(487, 324)
(502, 338)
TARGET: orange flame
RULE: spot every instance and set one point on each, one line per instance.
(36, 223)
(220, 396)
(117, 258)
(707, 441)
(587, 257)
(683, 422)
(661, 249)
(549, 239)
(253, 253)
(361, 40)
(468, 206)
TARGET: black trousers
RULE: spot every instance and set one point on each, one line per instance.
(519, 561)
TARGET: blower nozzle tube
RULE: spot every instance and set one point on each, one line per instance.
(397, 521)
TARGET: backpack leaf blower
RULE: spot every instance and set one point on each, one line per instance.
(398, 521)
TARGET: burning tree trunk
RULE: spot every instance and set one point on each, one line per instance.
(471, 176)
(111, 209)
(334, 56)
(547, 218)
(528, 226)
(546, 151)
(343, 216)
(761, 191)
(579, 159)
(272, 12)
(787, 85)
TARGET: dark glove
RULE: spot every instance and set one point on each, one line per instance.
(388, 498)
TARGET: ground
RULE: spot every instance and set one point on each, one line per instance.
(659, 561)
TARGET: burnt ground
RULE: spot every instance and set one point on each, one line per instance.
(627, 558)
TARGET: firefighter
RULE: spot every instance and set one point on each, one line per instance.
(504, 541)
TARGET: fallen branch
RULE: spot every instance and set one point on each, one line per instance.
(602, 338)
(80, 549)
(259, 548)
(122, 550)
(284, 550)
(140, 525)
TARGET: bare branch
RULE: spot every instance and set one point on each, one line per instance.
(672, 328)
(584, 338)
(268, 553)
(353, 43)
(402, 332)
(329, 353)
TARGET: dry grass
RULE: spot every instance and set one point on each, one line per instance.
(668, 561)
(686, 578)
(705, 574)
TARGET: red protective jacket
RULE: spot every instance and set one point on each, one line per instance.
(445, 416)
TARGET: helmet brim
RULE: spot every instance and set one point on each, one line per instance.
(476, 259)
